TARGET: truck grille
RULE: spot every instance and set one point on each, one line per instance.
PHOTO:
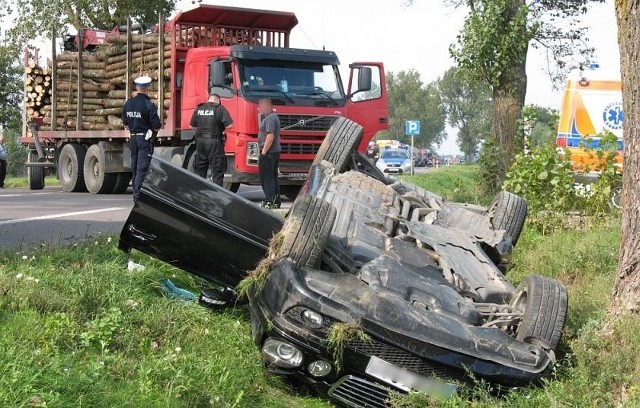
(307, 123)
(408, 361)
(359, 393)
(299, 148)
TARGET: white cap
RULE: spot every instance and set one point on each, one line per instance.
(143, 81)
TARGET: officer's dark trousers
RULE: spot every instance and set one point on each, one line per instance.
(141, 152)
(3, 172)
(268, 166)
(210, 154)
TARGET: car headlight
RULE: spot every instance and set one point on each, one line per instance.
(281, 353)
(312, 319)
(253, 153)
(407, 163)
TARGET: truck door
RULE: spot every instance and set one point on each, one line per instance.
(367, 102)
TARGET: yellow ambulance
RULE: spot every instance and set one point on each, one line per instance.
(592, 103)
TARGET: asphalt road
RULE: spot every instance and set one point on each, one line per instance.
(56, 218)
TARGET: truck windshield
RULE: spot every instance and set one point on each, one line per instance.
(291, 82)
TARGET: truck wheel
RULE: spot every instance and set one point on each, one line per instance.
(233, 187)
(96, 180)
(290, 191)
(71, 168)
(341, 141)
(35, 175)
(508, 212)
(544, 304)
(306, 231)
(122, 183)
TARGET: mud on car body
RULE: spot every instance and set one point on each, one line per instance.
(420, 282)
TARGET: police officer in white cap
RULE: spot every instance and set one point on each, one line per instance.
(140, 117)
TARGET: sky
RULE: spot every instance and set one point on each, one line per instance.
(417, 37)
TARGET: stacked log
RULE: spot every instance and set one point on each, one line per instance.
(37, 90)
(104, 73)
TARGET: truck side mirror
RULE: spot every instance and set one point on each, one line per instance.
(364, 79)
(216, 74)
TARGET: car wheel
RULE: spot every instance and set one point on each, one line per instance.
(306, 231)
(543, 303)
(341, 141)
(508, 212)
(71, 167)
(35, 175)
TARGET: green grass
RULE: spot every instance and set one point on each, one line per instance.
(21, 182)
(78, 329)
(456, 183)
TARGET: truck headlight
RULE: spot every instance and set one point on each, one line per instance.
(281, 353)
(253, 153)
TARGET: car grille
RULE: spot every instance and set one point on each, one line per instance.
(299, 148)
(357, 392)
(308, 123)
(408, 361)
(393, 165)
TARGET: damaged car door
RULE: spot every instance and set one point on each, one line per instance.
(197, 226)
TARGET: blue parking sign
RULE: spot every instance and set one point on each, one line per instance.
(412, 128)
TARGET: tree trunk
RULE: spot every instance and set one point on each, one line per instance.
(508, 100)
(626, 292)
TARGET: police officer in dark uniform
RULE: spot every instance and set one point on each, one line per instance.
(211, 120)
(140, 116)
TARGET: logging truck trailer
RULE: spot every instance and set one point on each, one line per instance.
(241, 54)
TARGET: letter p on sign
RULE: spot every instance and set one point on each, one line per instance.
(412, 128)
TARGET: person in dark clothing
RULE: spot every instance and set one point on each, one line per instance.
(211, 120)
(140, 117)
(269, 160)
(3, 161)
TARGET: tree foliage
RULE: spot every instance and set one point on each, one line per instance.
(540, 124)
(38, 17)
(469, 109)
(493, 46)
(11, 88)
(411, 99)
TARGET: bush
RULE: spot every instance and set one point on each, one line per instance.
(545, 179)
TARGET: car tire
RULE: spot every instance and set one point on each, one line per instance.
(544, 303)
(71, 168)
(122, 183)
(95, 178)
(35, 175)
(508, 212)
(306, 231)
(341, 141)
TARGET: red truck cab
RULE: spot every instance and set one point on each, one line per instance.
(305, 86)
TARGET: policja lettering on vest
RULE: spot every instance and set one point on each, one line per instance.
(140, 117)
(211, 119)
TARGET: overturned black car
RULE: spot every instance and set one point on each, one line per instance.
(368, 286)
